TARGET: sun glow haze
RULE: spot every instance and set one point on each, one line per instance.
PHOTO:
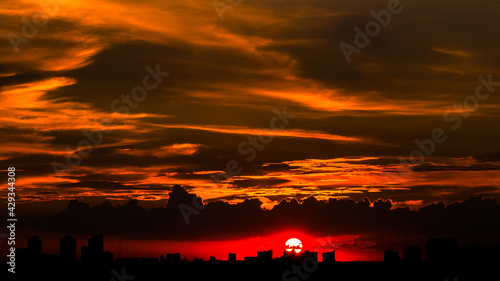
(293, 245)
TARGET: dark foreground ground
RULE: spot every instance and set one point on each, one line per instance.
(239, 270)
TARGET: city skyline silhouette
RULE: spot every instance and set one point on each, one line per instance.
(444, 259)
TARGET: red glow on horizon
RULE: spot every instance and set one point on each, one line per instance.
(245, 247)
(293, 245)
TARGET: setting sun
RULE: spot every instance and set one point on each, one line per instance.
(293, 245)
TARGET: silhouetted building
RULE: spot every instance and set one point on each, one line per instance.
(291, 254)
(107, 257)
(265, 256)
(148, 260)
(412, 255)
(85, 253)
(307, 254)
(96, 244)
(329, 257)
(122, 261)
(442, 250)
(391, 257)
(176, 258)
(94, 252)
(251, 259)
(67, 249)
(170, 258)
(34, 246)
(231, 257)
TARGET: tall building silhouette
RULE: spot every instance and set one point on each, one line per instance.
(67, 249)
(231, 257)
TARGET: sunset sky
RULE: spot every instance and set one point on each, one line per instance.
(348, 123)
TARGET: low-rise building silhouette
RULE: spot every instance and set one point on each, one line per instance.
(176, 257)
(94, 253)
(307, 254)
(264, 256)
(329, 257)
(67, 249)
(34, 247)
(391, 257)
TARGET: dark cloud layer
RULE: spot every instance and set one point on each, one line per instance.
(475, 220)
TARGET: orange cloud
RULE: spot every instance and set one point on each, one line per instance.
(292, 133)
(165, 151)
(25, 101)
